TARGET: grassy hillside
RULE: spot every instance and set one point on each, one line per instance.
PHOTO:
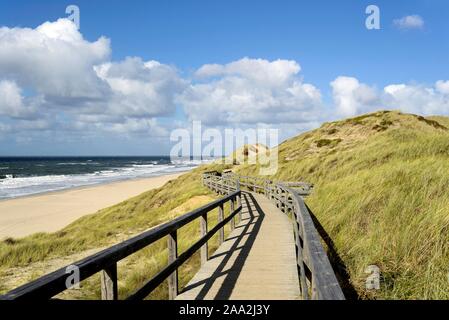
(382, 193)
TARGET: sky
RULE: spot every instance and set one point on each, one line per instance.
(136, 71)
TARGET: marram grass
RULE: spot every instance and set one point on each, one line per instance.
(383, 197)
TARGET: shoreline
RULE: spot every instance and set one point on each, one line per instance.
(87, 186)
(53, 210)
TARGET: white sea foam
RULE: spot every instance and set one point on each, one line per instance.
(73, 163)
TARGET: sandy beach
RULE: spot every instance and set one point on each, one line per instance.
(52, 211)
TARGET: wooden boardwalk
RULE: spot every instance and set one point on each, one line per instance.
(268, 256)
(257, 261)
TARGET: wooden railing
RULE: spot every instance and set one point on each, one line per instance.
(316, 276)
(106, 261)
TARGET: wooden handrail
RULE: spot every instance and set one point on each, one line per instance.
(106, 261)
(316, 276)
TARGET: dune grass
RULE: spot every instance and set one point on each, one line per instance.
(382, 195)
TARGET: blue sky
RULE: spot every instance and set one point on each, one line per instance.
(327, 39)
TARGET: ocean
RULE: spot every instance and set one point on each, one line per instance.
(23, 176)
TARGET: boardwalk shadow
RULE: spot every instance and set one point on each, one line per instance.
(234, 258)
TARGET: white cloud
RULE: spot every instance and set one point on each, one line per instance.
(149, 127)
(263, 72)
(409, 22)
(352, 97)
(251, 91)
(53, 73)
(12, 102)
(53, 60)
(141, 89)
(419, 99)
(442, 86)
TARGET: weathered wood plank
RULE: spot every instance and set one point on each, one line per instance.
(109, 288)
(172, 256)
(203, 232)
(220, 219)
(231, 210)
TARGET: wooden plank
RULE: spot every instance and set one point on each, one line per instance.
(231, 210)
(203, 230)
(172, 256)
(109, 288)
(220, 219)
(239, 204)
(300, 262)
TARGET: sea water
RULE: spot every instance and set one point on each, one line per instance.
(22, 176)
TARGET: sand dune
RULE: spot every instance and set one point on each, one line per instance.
(52, 211)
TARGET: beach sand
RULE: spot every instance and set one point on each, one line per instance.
(52, 211)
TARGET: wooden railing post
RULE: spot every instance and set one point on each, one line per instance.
(277, 197)
(204, 248)
(172, 256)
(109, 289)
(231, 211)
(299, 259)
(239, 199)
(283, 201)
(270, 192)
(220, 219)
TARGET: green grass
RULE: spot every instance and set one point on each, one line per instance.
(383, 196)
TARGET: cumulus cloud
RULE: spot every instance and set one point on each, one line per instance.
(251, 91)
(442, 86)
(271, 73)
(409, 22)
(148, 127)
(54, 74)
(12, 103)
(352, 97)
(141, 89)
(53, 59)
(420, 99)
